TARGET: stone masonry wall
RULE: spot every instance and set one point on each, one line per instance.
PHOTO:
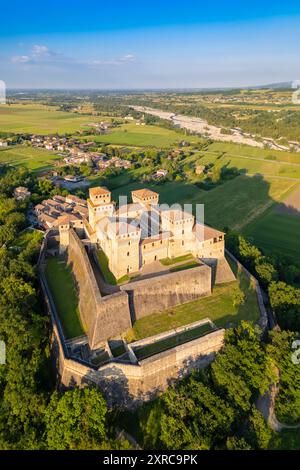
(102, 317)
(127, 385)
(158, 293)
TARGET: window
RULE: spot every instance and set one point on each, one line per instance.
(182, 243)
(182, 232)
(152, 244)
(128, 253)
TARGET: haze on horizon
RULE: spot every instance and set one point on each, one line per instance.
(150, 45)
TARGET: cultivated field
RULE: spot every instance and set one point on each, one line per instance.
(39, 119)
(142, 136)
(276, 233)
(34, 159)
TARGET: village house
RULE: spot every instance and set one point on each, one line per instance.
(21, 193)
(50, 211)
(161, 173)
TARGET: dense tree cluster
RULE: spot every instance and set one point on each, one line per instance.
(215, 408)
(278, 276)
(32, 414)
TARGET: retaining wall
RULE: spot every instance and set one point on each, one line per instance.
(158, 293)
(102, 317)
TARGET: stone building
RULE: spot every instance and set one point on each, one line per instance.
(142, 232)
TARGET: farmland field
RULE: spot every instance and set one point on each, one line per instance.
(32, 158)
(276, 233)
(232, 204)
(142, 136)
(39, 119)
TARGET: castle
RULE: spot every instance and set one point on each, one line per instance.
(141, 241)
(137, 234)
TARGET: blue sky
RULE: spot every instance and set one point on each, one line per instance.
(141, 44)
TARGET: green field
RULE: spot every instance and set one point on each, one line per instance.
(251, 165)
(232, 149)
(233, 204)
(218, 307)
(142, 136)
(39, 119)
(172, 341)
(62, 286)
(34, 159)
(276, 233)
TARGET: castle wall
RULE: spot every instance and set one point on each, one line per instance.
(102, 317)
(158, 293)
(130, 384)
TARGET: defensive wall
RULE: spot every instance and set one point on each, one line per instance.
(110, 315)
(160, 292)
(131, 381)
(102, 317)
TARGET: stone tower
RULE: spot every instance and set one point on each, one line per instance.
(99, 205)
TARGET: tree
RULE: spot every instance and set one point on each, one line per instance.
(238, 297)
(258, 434)
(76, 419)
(285, 301)
(243, 367)
(287, 406)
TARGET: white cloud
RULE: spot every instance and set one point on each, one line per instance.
(20, 59)
(127, 58)
(113, 61)
(39, 50)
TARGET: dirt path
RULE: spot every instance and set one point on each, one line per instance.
(266, 405)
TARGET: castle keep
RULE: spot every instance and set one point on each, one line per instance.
(141, 232)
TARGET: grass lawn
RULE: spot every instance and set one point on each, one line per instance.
(41, 119)
(170, 261)
(34, 159)
(276, 233)
(62, 286)
(182, 267)
(142, 136)
(172, 341)
(107, 274)
(218, 307)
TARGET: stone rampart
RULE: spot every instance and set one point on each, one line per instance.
(156, 294)
(129, 384)
(102, 317)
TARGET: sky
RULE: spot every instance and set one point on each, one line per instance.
(148, 44)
